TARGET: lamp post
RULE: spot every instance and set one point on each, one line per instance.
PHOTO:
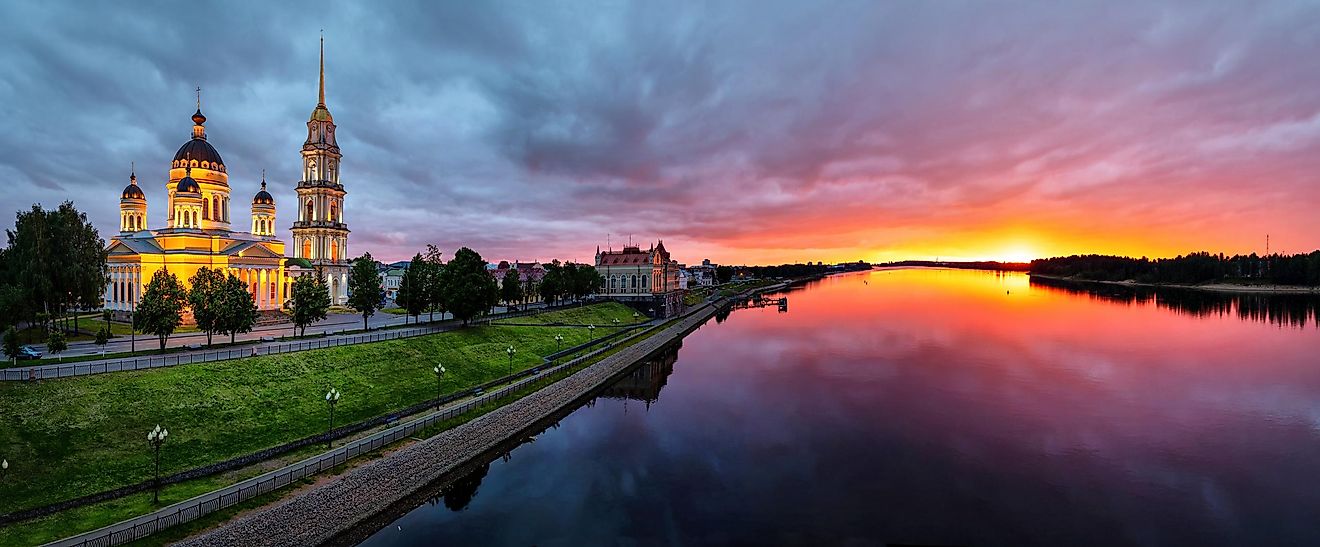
(331, 399)
(636, 316)
(157, 437)
(559, 341)
(439, 371)
(591, 331)
(616, 321)
(510, 351)
(4, 470)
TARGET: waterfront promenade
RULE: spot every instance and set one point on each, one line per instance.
(319, 514)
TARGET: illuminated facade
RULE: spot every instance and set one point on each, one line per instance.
(320, 234)
(197, 231)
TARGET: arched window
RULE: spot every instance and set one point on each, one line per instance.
(310, 210)
(334, 249)
(334, 210)
(215, 208)
(643, 282)
(307, 248)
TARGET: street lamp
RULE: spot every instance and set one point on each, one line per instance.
(439, 371)
(616, 321)
(591, 330)
(510, 351)
(559, 341)
(157, 437)
(636, 315)
(4, 469)
(331, 399)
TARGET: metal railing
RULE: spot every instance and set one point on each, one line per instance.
(43, 372)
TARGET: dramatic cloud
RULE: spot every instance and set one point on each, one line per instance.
(738, 131)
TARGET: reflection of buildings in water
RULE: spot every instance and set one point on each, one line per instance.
(1296, 310)
(645, 381)
(458, 495)
(642, 383)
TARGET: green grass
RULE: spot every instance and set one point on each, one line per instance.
(77, 436)
(577, 316)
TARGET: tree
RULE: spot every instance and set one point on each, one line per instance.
(103, 337)
(586, 281)
(723, 274)
(57, 258)
(11, 343)
(161, 308)
(468, 288)
(56, 344)
(205, 299)
(553, 283)
(412, 288)
(310, 301)
(364, 284)
(435, 287)
(511, 289)
(237, 310)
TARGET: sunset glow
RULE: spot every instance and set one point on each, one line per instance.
(979, 131)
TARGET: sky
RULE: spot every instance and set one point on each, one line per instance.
(746, 132)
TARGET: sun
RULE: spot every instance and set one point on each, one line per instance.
(1018, 253)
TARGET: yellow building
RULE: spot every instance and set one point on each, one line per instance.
(197, 231)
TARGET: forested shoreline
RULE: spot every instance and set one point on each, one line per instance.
(1190, 269)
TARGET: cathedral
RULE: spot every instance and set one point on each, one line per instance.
(198, 231)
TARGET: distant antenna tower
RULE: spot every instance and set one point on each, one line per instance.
(1267, 244)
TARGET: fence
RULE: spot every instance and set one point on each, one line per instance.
(210, 502)
(42, 372)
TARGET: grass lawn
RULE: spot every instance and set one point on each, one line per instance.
(585, 315)
(77, 436)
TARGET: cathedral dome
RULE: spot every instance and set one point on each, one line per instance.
(132, 192)
(187, 185)
(200, 151)
(263, 197)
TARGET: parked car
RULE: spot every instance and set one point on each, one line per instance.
(28, 352)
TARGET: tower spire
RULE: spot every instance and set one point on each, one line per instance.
(132, 172)
(263, 179)
(321, 96)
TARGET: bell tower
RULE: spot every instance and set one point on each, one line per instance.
(320, 234)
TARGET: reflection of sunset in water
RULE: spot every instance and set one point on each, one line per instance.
(937, 406)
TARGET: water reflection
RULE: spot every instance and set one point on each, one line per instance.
(1293, 310)
(927, 407)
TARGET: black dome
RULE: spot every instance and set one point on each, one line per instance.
(187, 184)
(263, 198)
(199, 150)
(132, 192)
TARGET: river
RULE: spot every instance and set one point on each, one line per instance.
(931, 407)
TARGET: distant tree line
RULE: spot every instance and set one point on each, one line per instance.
(994, 265)
(1203, 267)
(794, 270)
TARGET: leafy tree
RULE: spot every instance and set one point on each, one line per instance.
(511, 289)
(57, 258)
(11, 343)
(530, 289)
(553, 283)
(586, 280)
(237, 310)
(724, 274)
(435, 288)
(365, 285)
(310, 302)
(412, 288)
(103, 337)
(205, 299)
(161, 309)
(56, 344)
(468, 289)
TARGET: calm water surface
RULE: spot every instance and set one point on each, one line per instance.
(931, 407)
